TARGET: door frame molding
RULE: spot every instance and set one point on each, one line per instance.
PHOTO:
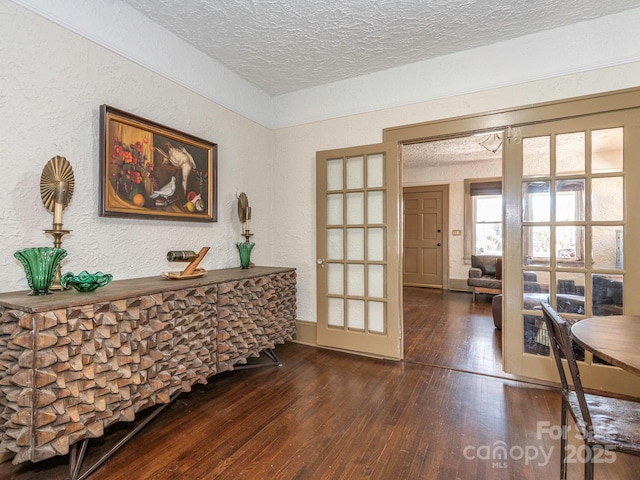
(517, 116)
(444, 128)
(562, 109)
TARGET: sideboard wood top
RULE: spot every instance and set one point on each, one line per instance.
(133, 287)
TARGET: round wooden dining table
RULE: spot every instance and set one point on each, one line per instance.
(615, 339)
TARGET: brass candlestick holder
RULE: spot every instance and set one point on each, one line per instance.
(56, 188)
(57, 232)
(244, 215)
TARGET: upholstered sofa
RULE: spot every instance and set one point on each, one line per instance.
(485, 274)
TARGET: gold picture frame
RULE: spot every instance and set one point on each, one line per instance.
(151, 171)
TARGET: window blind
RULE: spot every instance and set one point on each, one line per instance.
(485, 188)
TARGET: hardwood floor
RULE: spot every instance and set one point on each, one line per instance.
(331, 415)
(447, 329)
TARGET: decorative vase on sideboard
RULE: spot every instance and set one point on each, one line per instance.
(244, 248)
(40, 264)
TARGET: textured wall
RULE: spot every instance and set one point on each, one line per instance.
(294, 203)
(52, 83)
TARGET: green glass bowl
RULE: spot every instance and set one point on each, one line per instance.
(85, 281)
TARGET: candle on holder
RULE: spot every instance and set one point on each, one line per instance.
(247, 219)
(60, 194)
(57, 212)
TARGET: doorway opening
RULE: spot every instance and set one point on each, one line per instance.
(361, 281)
(442, 325)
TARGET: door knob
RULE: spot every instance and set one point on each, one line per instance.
(438, 244)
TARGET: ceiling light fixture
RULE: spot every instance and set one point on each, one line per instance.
(492, 142)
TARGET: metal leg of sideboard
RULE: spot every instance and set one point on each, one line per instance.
(272, 355)
(76, 458)
(269, 353)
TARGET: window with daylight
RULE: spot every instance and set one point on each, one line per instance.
(483, 217)
(569, 209)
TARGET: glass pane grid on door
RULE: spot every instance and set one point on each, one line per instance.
(356, 243)
(573, 219)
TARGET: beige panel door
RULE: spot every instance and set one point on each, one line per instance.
(358, 250)
(570, 190)
(423, 239)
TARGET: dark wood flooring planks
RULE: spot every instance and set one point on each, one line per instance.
(331, 415)
(447, 329)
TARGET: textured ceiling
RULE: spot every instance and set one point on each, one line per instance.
(488, 147)
(450, 152)
(288, 45)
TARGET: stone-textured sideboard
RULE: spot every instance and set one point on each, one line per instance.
(71, 364)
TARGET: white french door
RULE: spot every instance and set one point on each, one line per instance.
(358, 250)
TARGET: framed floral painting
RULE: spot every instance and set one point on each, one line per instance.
(151, 171)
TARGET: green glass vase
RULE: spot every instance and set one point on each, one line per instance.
(40, 264)
(245, 253)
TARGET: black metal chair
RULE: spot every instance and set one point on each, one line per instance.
(606, 424)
